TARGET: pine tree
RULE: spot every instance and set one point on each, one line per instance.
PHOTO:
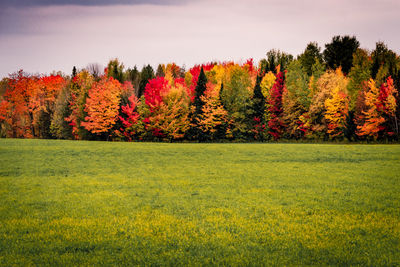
(258, 110)
(198, 103)
(146, 74)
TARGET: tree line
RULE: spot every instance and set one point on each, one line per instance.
(343, 92)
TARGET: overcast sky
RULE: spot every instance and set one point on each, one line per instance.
(40, 36)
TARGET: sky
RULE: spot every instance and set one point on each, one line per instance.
(42, 36)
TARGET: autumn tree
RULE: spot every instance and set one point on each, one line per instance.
(326, 86)
(80, 86)
(236, 96)
(129, 118)
(102, 106)
(336, 110)
(339, 52)
(296, 100)
(17, 116)
(387, 105)
(359, 74)
(42, 103)
(370, 121)
(168, 117)
(212, 122)
(276, 123)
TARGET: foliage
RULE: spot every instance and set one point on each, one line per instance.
(102, 106)
(311, 54)
(29, 104)
(133, 76)
(169, 109)
(160, 72)
(378, 115)
(59, 128)
(129, 118)
(318, 69)
(235, 98)
(337, 108)
(371, 117)
(258, 115)
(276, 58)
(359, 74)
(266, 83)
(212, 121)
(81, 84)
(385, 63)
(327, 84)
(221, 100)
(115, 70)
(296, 99)
(339, 52)
(146, 74)
(275, 108)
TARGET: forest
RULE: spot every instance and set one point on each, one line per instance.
(340, 93)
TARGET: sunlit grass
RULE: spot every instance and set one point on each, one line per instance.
(74, 203)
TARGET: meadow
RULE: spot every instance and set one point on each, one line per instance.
(109, 203)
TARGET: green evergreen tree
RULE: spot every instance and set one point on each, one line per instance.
(146, 74)
(194, 132)
(199, 91)
(258, 100)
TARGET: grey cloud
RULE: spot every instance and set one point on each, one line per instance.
(33, 3)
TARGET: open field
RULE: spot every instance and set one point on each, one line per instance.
(85, 203)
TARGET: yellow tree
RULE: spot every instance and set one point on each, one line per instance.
(266, 83)
(170, 118)
(337, 108)
(326, 85)
(213, 117)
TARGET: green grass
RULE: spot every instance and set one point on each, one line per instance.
(99, 203)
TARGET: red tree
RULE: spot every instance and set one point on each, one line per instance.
(275, 124)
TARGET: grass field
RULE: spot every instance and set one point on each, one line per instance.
(99, 203)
